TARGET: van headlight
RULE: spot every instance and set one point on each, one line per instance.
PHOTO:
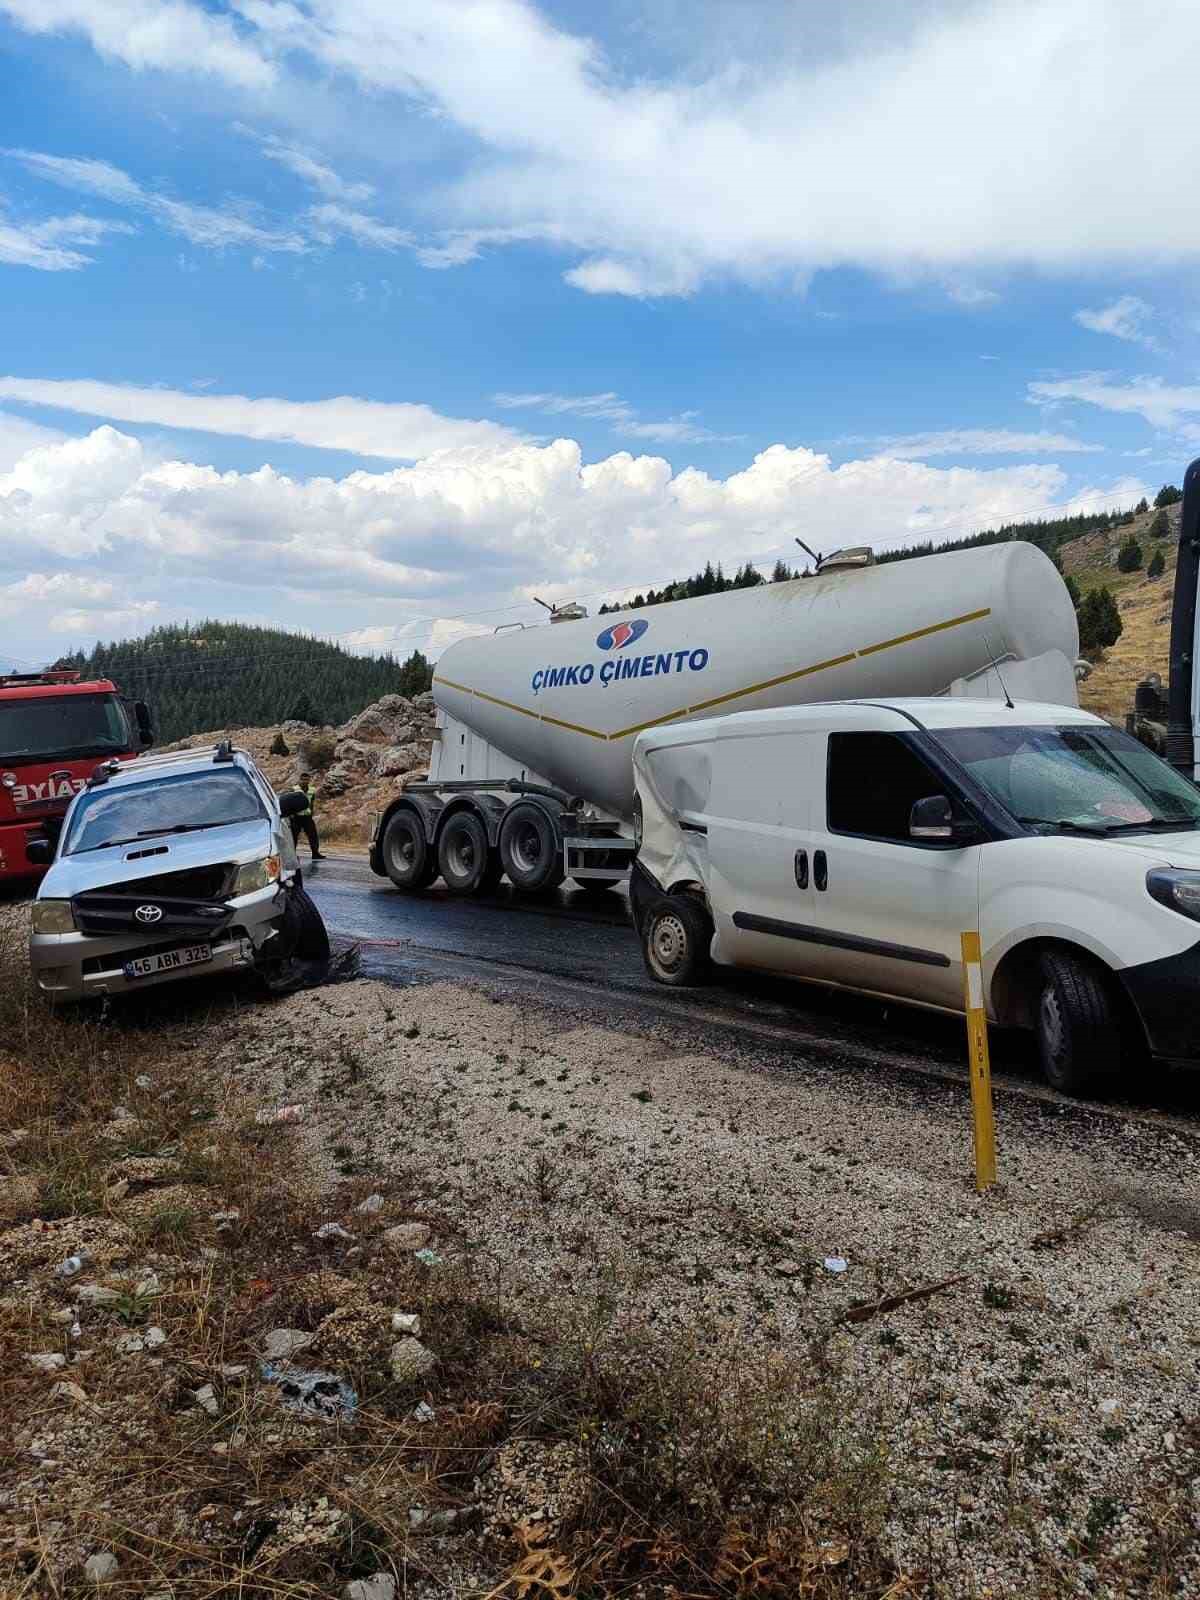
(53, 916)
(1176, 889)
(256, 875)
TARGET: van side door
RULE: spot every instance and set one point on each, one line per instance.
(889, 910)
(760, 843)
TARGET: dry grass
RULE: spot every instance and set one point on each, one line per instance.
(675, 1466)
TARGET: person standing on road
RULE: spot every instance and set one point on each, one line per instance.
(304, 822)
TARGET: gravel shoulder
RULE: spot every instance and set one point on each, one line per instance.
(1038, 1412)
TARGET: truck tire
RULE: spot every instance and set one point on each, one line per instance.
(676, 935)
(464, 857)
(596, 886)
(529, 848)
(1078, 1035)
(407, 858)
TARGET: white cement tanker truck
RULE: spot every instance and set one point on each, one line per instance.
(532, 775)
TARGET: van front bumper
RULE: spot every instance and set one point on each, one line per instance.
(1166, 995)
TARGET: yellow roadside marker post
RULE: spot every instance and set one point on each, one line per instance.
(981, 1070)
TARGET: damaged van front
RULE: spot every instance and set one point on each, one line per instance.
(180, 867)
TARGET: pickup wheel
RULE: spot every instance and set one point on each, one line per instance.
(465, 860)
(1078, 1034)
(407, 858)
(312, 939)
(529, 848)
(676, 935)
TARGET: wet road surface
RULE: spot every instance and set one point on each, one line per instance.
(578, 952)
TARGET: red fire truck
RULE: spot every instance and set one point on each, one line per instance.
(54, 730)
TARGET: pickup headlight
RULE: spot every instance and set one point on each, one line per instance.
(53, 916)
(1176, 889)
(256, 875)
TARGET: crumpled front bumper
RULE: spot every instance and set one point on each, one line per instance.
(77, 966)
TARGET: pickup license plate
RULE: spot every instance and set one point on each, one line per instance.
(190, 956)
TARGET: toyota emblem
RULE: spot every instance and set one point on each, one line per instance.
(148, 914)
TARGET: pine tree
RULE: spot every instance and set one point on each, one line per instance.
(1168, 495)
(1142, 506)
(1160, 526)
(1129, 557)
(1158, 564)
(1100, 622)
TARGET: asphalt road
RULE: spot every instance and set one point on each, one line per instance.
(581, 955)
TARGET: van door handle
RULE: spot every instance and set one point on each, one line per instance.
(820, 870)
(801, 869)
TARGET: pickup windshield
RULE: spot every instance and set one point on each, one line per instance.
(1076, 779)
(185, 803)
(51, 728)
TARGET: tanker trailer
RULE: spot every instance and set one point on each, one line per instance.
(532, 774)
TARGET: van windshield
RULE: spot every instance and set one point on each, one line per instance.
(1078, 778)
(185, 803)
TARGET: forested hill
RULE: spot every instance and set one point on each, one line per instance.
(225, 674)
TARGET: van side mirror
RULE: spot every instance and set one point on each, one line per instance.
(292, 804)
(145, 727)
(933, 821)
(39, 852)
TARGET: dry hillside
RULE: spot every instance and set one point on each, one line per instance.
(1145, 605)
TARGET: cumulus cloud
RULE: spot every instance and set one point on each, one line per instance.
(476, 530)
(396, 430)
(91, 603)
(1125, 318)
(169, 34)
(18, 437)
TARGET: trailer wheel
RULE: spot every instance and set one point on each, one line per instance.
(463, 855)
(407, 858)
(676, 935)
(529, 848)
(1078, 1035)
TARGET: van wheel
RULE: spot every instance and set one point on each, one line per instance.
(1077, 1032)
(676, 935)
(529, 848)
(464, 856)
(407, 858)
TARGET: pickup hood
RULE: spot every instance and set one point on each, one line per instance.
(97, 869)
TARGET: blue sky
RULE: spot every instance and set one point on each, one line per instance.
(376, 320)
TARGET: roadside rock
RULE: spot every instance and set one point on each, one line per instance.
(411, 1360)
(281, 1343)
(100, 1567)
(379, 722)
(401, 758)
(379, 1586)
(354, 753)
(47, 1361)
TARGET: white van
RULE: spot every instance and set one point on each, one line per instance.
(852, 844)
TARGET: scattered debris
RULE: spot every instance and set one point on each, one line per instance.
(101, 1567)
(143, 1081)
(836, 1263)
(406, 1322)
(332, 1230)
(47, 1360)
(96, 1294)
(72, 1265)
(232, 1373)
(873, 1308)
(408, 1236)
(154, 1337)
(312, 1393)
(423, 1412)
(428, 1258)
(292, 1113)
(411, 1360)
(65, 1390)
(281, 1343)
(148, 1286)
(372, 1204)
(379, 1586)
(206, 1398)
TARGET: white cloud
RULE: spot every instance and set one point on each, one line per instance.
(332, 219)
(317, 174)
(92, 603)
(42, 245)
(1163, 405)
(776, 162)
(981, 442)
(202, 225)
(474, 531)
(109, 621)
(19, 436)
(396, 430)
(151, 33)
(610, 408)
(971, 294)
(1123, 319)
